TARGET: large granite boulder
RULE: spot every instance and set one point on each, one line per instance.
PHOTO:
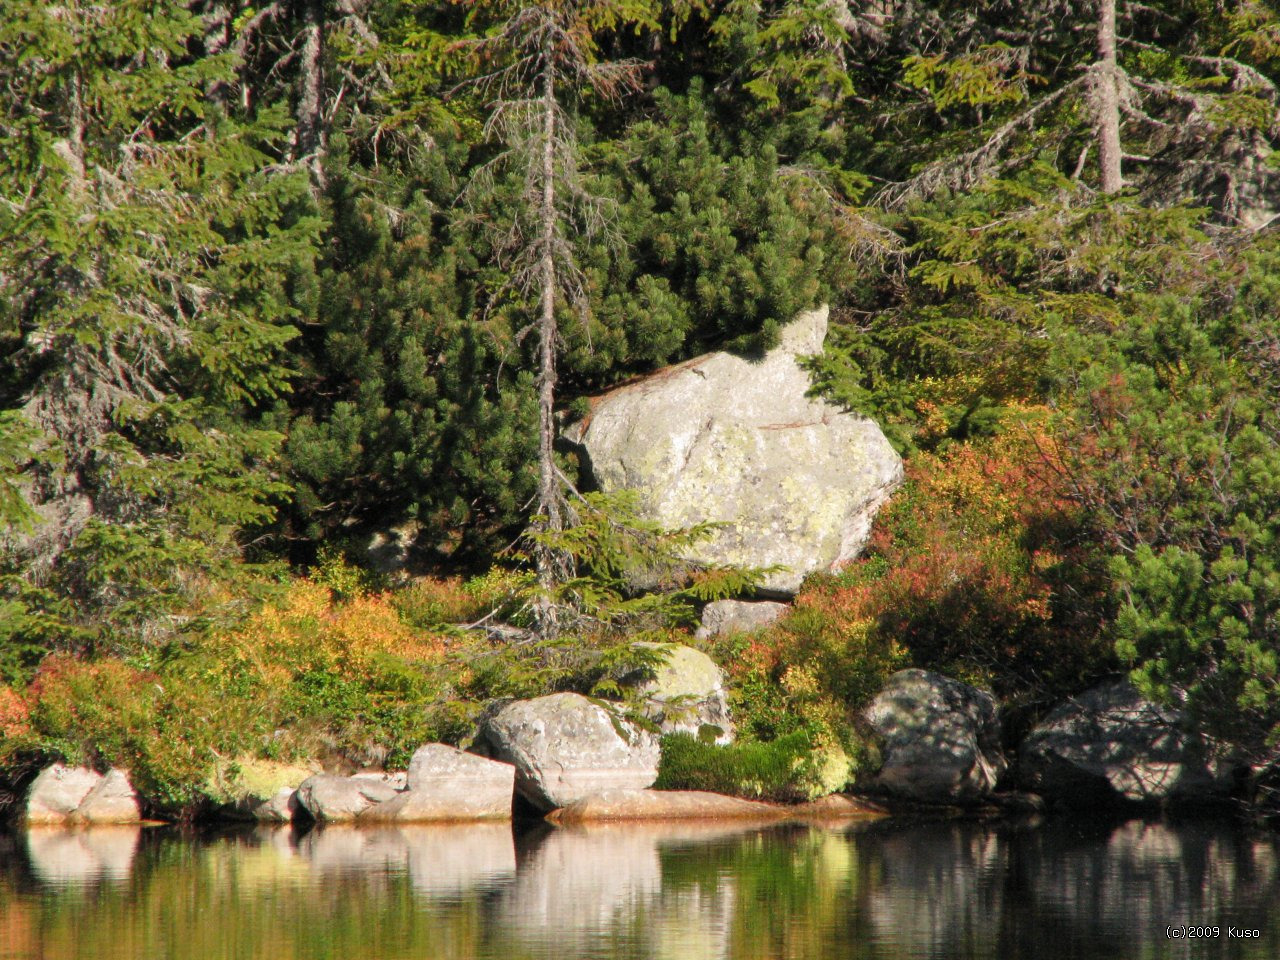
(738, 616)
(61, 794)
(446, 784)
(940, 739)
(566, 747)
(685, 693)
(333, 799)
(793, 480)
(1112, 743)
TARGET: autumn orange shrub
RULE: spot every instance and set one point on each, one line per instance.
(980, 566)
(106, 712)
(14, 714)
(308, 629)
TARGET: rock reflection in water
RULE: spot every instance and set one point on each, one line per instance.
(580, 886)
(441, 860)
(875, 891)
(1066, 888)
(63, 857)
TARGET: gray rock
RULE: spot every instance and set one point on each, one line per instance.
(1112, 743)
(281, 807)
(61, 794)
(447, 784)
(565, 747)
(331, 799)
(941, 739)
(686, 693)
(793, 480)
(57, 792)
(112, 800)
(738, 616)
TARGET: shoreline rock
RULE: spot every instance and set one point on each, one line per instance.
(630, 805)
(333, 799)
(62, 795)
(445, 784)
(941, 739)
(1112, 745)
(565, 747)
(615, 805)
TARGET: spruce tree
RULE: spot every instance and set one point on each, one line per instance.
(146, 255)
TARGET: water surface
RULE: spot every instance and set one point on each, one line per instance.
(1064, 888)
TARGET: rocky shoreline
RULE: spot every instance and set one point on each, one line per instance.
(570, 759)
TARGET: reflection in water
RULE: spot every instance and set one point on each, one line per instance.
(81, 857)
(1062, 888)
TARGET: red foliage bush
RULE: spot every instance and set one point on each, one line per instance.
(981, 566)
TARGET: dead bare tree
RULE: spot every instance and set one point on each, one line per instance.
(547, 55)
(1105, 97)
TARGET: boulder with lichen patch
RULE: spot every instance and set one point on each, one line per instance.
(566, 747)
(940, 739)
(792, 480)
(685, 693)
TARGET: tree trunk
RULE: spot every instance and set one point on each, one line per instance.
(1106, 99)
(549, 495)
(311, 133)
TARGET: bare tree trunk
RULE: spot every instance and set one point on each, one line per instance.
(311, 132)
(1106, 98)
(549, 495)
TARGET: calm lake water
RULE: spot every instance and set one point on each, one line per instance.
(1060, 888)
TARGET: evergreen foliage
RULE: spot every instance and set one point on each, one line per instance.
(146, 255)
(267, 279)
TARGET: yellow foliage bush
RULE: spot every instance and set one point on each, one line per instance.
(308, 630)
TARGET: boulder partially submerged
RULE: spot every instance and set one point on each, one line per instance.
(792, 480)
(941, 739)
(1112, 743)
(566, 747)
(333, 799)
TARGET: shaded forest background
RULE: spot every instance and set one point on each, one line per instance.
(262, 299)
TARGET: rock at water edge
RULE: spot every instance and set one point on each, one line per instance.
(332, 799)
(446, 784)
(941, 739)
(1111, 742)
(57, 792)
(112, 800)
(564, 747)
